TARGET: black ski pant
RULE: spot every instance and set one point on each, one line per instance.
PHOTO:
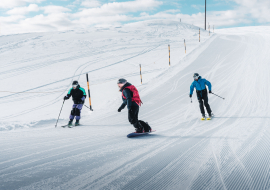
(133, 116)
(203, 101)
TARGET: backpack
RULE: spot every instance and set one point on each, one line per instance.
(145, 126)
(136, 97)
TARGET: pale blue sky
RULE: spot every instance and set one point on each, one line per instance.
(18, 16)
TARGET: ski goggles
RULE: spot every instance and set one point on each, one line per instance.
(74, 86)
(195, 77)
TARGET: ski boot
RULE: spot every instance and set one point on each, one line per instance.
(203, 117)
(210, 115)
(70, 124)
(77, 123)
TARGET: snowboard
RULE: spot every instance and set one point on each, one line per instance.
(138, 134)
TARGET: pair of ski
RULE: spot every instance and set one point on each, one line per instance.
(208, 118)
(69, 126)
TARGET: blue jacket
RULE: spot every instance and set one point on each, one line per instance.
(200, 85)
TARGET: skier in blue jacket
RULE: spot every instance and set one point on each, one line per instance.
(199, 83)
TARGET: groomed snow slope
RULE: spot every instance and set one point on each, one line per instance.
(37, 69)
(229, 152)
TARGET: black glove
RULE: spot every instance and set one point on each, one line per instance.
(190, 95)
(210, 91)
(65, 98)
(119, 109)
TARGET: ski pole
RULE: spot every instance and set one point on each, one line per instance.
(218, 96)
(191, 99)
(87, 106)
(59, 113)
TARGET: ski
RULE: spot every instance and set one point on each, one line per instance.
(203, 118)
(134, 134)
(69, 126)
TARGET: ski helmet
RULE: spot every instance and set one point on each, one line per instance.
(75, 83)
(196, 75)
(121, 81)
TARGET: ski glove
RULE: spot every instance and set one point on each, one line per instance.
(65, 98)
(119, 109)
(210, 91)
(190, 95)
(83, 98)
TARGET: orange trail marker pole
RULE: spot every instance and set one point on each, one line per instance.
(89, 92)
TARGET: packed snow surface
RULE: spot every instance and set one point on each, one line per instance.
(229, 152)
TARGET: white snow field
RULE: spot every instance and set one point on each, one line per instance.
(229, 152)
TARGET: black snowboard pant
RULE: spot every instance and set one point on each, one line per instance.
(203, 101)
(133, 116)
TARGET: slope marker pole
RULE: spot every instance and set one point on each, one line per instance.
(89, 92)
(141, 72)
(185, 46)
(169, 47)
(199, 35)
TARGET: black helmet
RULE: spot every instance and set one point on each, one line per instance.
(121, 81)
(196, 75)
(75, 83)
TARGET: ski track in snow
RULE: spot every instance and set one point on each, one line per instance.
(231, 151)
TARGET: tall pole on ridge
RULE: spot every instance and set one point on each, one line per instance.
(205, 17)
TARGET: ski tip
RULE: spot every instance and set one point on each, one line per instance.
(208, 118)
(202, 119)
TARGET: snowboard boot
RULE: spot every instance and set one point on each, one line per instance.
(77, 123)
(139, 130)
(150, 129)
